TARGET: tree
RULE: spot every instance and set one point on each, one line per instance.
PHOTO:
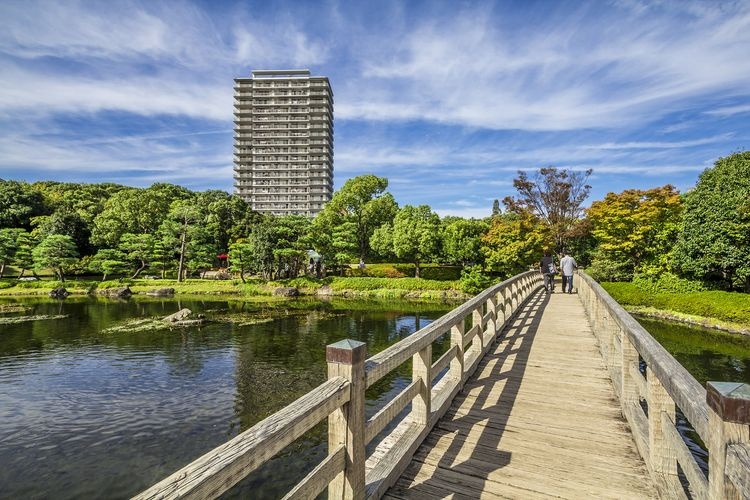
(23, 258)
(56, 252)
(416, 234)
(496, 207)
(140, 248)
(363, 203)
(240, 257)
(554, 196)
(715, 237)
(462, 240)
(515, 242)
(67, 221)
(109, 261)
(7, 247)
(136, 211)
(18, 204)
(635, 229)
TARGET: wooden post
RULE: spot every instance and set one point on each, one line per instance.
(346, 425)
(492, 324)
(422, 371)
(663, 459)
(499, 310)
(457, 363)
(628, 358)
(728, 419)
(476, 319)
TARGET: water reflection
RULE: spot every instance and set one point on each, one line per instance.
(86, 414)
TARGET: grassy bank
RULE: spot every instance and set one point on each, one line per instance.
(726, 310)
(364, 287)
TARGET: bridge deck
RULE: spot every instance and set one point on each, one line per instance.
(539, 419)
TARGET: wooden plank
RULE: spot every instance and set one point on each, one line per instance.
(221, 468)
(382, 418)
(444, 361)
(317, 480)
(694, 474)
(639, 381)
(388, 359)
(737, 467)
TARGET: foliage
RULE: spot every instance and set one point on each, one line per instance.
(240, 257)
(412, 284)
(636, 228)
(416, 235)
(715, 239)
(554, 196)
(725, 306)
(7, 247)
(667, 282)
(427, 271)
(64, 221)
(360, 206)
(56, 252)
(515, 242)
(109, 261)
(139, 248)
(18, 204)
(462, 241)
(473, 280)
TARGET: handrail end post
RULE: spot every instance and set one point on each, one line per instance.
(346, 426)
(728, 419)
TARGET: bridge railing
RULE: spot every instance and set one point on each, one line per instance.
(649, 397)
(346, 470)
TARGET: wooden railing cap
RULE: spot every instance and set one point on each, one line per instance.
(347, 352)
(730, 400)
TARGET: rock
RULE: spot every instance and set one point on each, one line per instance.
(161, 292)
(120, 292)
(286, 291)
(325, 291)
(58, 293)
(180, 315)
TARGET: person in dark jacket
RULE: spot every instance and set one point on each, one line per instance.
(548, 270)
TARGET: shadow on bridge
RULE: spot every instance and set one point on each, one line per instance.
(464, 448)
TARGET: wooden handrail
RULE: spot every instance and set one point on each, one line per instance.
(713, 414)
(346, 471)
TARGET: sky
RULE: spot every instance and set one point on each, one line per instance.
(448, 100)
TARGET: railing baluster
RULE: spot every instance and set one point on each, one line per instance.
(422, 370)
(457, 364)
(662, 458)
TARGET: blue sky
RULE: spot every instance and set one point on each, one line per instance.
(445, 99)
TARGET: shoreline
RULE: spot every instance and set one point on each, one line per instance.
(690, 319)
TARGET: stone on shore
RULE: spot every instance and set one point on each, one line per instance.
(161, 292)
(286, 291)
(58, 293)
(118, 293)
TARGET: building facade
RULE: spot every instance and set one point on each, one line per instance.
(283, 141)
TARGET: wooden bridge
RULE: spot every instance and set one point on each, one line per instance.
(538, 396)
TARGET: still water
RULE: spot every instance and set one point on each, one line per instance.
(90, 414)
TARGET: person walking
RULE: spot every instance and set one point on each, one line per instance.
(547, 268)
(568, 265)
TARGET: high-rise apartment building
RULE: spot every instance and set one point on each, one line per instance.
(283, 140)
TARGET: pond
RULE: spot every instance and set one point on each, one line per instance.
(89, 413)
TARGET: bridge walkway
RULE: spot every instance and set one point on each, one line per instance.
(539, 419)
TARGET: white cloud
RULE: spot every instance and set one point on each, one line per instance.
(729, 110)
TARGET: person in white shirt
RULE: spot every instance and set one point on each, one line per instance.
(567, 266)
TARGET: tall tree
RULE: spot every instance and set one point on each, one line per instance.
(109, 261)
(462, 240)
(416, 235)
(18, 204)
(715, 237)
(554, 196)
(57, 252)
(363, 202)
(7, 247)
(23, 258)
(635, 229)
(514, 242)
(140, 248)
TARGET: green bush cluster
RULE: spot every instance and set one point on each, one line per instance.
(409, 284)
(473, 280)
(667, 283)
(427, 271)
(725, 306)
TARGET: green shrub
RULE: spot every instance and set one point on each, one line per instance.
(473, 280)
(667, 283)
(724, 306)
(409, 284)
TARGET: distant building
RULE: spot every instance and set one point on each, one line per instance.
(283, 141)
